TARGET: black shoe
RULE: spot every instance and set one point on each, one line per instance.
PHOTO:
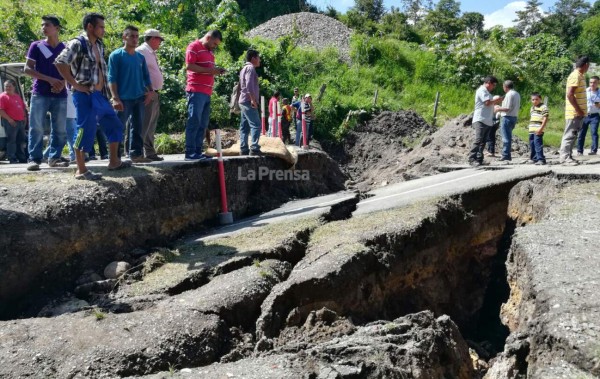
(256, 153)
(155, 158)
(104, 157)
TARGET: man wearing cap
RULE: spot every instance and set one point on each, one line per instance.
(48, 94)
(201, 71)
(152, 41)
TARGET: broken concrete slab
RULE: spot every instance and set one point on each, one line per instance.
(553, 275)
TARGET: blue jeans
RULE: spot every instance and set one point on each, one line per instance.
(249, 125)
(536, 147)
(591, 120)
(134, 109)
(506, 127)
(40, 105)
(198, 107)
(15, 136)
(299, 139)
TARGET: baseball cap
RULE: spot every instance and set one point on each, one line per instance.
(308, 95)
(153, 33)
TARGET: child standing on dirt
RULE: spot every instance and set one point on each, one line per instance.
(537, 124)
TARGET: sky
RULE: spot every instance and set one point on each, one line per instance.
(497, 12)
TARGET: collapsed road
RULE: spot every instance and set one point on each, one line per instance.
(405, 281)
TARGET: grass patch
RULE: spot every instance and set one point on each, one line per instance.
(98, 314)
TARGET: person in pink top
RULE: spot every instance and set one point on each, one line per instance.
(12, 112)
(201, 71)
(273, 114)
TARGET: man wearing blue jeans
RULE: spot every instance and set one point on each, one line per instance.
(48, 95)
(201, 71)
(131, 90)
(509, 110)
(250, 120)
(592, 118)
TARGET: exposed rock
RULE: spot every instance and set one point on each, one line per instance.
(185, 330)
(552, 311)
(62, 306)
(115, 270)
(411, 347)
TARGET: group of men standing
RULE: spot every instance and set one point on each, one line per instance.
(582, 110)
(77, 72)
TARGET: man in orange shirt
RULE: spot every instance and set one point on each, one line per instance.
(201, 71)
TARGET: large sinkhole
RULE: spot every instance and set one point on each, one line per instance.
(449, 258)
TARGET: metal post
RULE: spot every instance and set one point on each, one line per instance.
(375, 97)
(225, 217)
(262, 107)
(435, 107)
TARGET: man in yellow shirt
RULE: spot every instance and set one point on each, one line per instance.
(575, 109)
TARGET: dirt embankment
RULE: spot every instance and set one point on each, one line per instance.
(53, 228)
(397, 146)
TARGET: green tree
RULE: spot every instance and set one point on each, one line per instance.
(565, 19)
(588, 41)
(473, 22)
(395, 24)
(415, 9)
(331, 12)
(445, 18)
(528, 21)
(371, 9)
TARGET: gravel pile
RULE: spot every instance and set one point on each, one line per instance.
(317, 30)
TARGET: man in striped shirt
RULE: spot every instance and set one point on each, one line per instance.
(575, 110)
(201, 71)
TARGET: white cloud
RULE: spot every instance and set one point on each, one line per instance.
(504, 16)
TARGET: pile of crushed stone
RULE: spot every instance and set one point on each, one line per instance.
(316, 30)
(399, 146)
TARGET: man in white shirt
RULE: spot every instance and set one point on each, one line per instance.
(482, 118)
(509, 110)
(152, 41)
(592, 118)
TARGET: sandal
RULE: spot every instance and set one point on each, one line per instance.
(123, 165)
(88, 175)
